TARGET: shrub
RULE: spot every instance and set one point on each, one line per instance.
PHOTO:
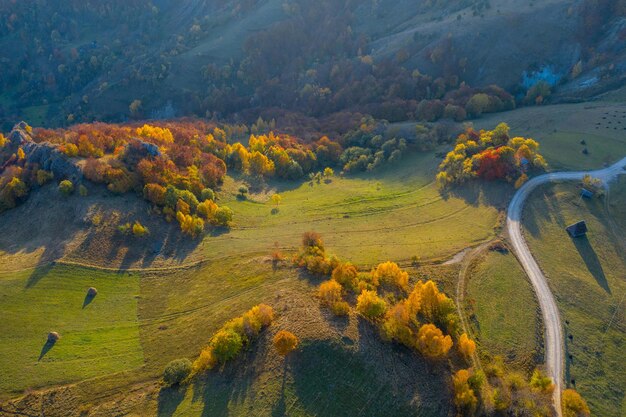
(226, 345)
(256, 318)
(340, 308)
(223, 216)
(312, 239)
(66, 187)
(276, 199)
(370, 304)
(69, 149)
(346, 274)
(44, 177)
(125, 228)
(204, 362)
(285, 342)
(155, 194)
(191, 225)
(396, 325)
(541, 382)
(207, 194)
(177, 371)
(82, 190)
(431, 342)
(464, 397)
(330, 292)
(574, 405)
(207, 209)
(243, 191)
(140, 230)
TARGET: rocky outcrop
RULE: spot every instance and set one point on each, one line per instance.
(46, 155)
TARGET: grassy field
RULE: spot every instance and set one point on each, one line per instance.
(559, 129)
(587, 278)
(395, 213)
(504, 314)
(140, 321)
(99, 338)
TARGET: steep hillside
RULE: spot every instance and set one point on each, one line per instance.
(75, 61)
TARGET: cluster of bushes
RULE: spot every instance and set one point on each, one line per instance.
(367, 148)
(499, 391)
(313, 256)
(281, 156)
(490, 155)
(414, 319)
(228, 341)
(136, 229)
(14, 187)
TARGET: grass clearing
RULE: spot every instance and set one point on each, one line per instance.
(395, 213)
(587, 278)
(98, 339)
(504, 313)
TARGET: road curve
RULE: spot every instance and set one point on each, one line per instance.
(553, 330)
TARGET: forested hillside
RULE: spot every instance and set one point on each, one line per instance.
(78, 61)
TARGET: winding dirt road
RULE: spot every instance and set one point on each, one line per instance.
(551, 318)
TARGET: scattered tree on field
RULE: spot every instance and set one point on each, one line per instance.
(285, 342)
(276, 199)
(176, 371)
(66, 187)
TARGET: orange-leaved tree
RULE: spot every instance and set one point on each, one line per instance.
(285, 342)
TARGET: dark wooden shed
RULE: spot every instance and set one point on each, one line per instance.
(586, 193)
(577, 229)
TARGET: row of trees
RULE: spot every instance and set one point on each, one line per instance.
(490, 155)
(227, 343)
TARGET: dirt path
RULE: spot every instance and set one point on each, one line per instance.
(468, 257)
(551, 318)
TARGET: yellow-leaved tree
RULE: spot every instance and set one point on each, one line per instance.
(466, 347)
(390, 273)
(464, 396)
(574, 405)
(431, 341)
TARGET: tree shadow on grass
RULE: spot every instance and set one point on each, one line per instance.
(46, 348)
(169, 400)
(280, 409)
(38, 274)
(589, 256)
(330, 380)
(539, 211)
(221, 386)
(475, 193)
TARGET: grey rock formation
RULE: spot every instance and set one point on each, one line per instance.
(46, 155)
